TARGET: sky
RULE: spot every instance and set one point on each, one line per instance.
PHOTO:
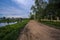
(15, 8)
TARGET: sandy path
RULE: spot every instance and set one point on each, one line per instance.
(38, 31)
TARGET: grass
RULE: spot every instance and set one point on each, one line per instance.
(52, 24)
(11, 32)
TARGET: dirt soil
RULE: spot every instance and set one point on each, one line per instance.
(38, 31)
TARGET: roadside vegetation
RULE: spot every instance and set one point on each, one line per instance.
(54, 23)
(11, 32)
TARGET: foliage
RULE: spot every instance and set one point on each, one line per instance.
(38, 9)
(11, 32)
(50, 10)
(31, 16)
(52, 24)
(54, 8)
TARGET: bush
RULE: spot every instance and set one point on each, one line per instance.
(11, 32)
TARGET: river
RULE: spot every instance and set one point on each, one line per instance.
(4, 24)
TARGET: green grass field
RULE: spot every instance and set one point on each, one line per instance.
(55, 24)
(11, 32)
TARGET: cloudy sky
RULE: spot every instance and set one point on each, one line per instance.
(15, 8)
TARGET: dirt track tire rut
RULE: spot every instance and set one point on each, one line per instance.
(38, 31)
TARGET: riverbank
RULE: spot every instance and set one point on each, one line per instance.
(11, 32)
(5, 23)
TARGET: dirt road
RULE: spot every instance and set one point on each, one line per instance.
(38, 31)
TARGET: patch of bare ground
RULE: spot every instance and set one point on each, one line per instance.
(38, 31)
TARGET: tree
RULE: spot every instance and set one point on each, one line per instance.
(8, 20)
(4, 18)
(38, 9)
(31, 16)
(54, 8)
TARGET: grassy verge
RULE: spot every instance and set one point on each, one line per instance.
(11, 32)
(52, 24)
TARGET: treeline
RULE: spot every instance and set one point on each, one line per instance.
(42, 9)
(4, 19)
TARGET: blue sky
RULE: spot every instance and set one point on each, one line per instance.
(15, 8)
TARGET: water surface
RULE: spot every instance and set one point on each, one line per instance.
(4, 24)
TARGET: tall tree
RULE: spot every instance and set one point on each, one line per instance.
(53, 7)
(38, 8)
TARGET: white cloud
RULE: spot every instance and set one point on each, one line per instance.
(13, 12)
(26, 3)
(20, 1)
(23, 16)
